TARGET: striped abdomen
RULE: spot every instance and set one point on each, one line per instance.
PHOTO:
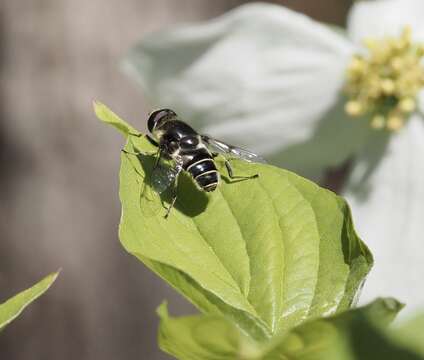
(204, 172)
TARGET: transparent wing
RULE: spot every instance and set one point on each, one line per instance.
(163, 176)
(219, 146)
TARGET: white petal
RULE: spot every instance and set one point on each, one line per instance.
(386, 193)
(385, 17)
(261, 77)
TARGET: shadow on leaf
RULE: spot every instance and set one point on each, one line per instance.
(190, 200)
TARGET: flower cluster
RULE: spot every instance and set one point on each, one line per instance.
(385, 82)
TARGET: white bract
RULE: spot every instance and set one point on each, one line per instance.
(274, 81)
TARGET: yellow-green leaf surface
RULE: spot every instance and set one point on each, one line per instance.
(110, 118)
(202, 337)
(13, 307)
(267, 253)
(359, 334)
(411, 333)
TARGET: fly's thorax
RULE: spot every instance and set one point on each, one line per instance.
(169, 144)
(175, 137)
(185, 146)
(174, 128)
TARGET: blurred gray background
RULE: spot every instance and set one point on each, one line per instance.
(59, 203)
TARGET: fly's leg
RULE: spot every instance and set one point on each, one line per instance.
(145, 183)
(158, 155)
(136, 154)
(132, 153)
(231, 173)
(174, 192)
(149, 138)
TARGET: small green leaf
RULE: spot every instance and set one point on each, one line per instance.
(107, 116)
(352, 335)
(411, 333)
(268, 253)
(202, 337)
(13, 307)
(359, 334)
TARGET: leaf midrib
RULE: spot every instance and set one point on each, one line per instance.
(281, 282)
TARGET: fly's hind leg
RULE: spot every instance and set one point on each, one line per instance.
(174, 192)
(240, 177)
(171, 205)
(131, 152)
(231, 172)
(142, 175)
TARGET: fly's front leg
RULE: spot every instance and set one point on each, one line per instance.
(231, 173)
(150, 139)
(174, 191)
(132, 153)
(158, 154)
(158, 157)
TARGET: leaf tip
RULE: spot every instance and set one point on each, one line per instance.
(162, 310)
(393, 305)
(56, 274)
(98, 108)
(52, 277)
(383, 310)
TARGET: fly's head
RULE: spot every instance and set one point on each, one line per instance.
(159, 117)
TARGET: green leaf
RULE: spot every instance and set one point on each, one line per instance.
(354, 334)
(13, 307)
(268, 253)
(359, 334)
(107, 116)
(202, 337)
(411, 334)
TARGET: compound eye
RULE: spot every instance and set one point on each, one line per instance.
(159, 116)
(189, 142)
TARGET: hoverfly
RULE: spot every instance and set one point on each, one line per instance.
(188, 151)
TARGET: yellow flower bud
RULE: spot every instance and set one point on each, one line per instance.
(353, 108)
(394, 123)
(371, 44)
(407, 105)
(378, 122)
(356, 67)
(388, 86)
(397, 64)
